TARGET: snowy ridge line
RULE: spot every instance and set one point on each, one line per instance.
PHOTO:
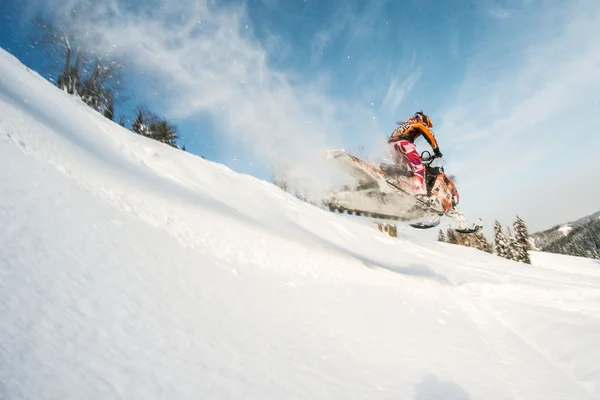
(138, 156)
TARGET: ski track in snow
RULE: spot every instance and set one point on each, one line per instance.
(129, 269)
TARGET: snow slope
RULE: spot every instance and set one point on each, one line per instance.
(129, 269)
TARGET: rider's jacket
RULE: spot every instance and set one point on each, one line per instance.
(411, 130)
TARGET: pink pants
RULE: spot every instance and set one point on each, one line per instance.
(405, 152)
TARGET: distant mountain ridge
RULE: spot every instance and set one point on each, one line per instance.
(576, 238)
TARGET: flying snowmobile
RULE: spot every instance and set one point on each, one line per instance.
(383, 193)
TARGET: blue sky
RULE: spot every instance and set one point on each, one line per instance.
(511, 86)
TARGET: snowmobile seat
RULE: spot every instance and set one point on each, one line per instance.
(394, 170)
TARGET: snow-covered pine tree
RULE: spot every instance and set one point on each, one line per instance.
(511, 248)
(441, 236)
(481, 243)
(451, 237)
(139, 125)
(109, 107)
(522, 246)
(461, 239)
(500, 242)
(164, 132)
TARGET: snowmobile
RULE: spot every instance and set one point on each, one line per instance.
(383, 193)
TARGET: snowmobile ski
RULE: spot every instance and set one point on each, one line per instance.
(423, 225)
(427, 223)
(474, 229)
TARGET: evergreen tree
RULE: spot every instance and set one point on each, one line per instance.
(522, 246)
(138, 126)
(500, 245)
(583, 238)
(143, 120)
(481, 243)
(582, 241)
(451, 236)
(164, 132)
(475, 240)
(441, 236)
(109, 110)
(511, 246)
(460, 239)
(148, 124)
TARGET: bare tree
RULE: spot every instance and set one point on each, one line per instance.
(102, 86)
(64, 52)
(78, 69)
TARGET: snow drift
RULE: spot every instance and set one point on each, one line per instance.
(129, 269)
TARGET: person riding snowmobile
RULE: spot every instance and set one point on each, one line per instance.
(404, 151)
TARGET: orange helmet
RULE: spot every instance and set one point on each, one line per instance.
(421, 116)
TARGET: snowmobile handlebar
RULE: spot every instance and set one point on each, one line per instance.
(429, 158)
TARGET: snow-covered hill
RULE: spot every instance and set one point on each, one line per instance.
(578, 238)
(129, 269)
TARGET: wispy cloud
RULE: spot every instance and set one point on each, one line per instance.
(351, 22)
(499, 13)
(528, 115)
(208, 61)
(399, 90)
(523, 89)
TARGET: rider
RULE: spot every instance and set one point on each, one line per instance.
(403, 150)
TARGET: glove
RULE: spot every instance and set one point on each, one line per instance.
(437, 153)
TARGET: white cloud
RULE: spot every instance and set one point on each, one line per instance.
(208, 61)
(499, 13)
(523, 129)
(397, 91)
(512, 119)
